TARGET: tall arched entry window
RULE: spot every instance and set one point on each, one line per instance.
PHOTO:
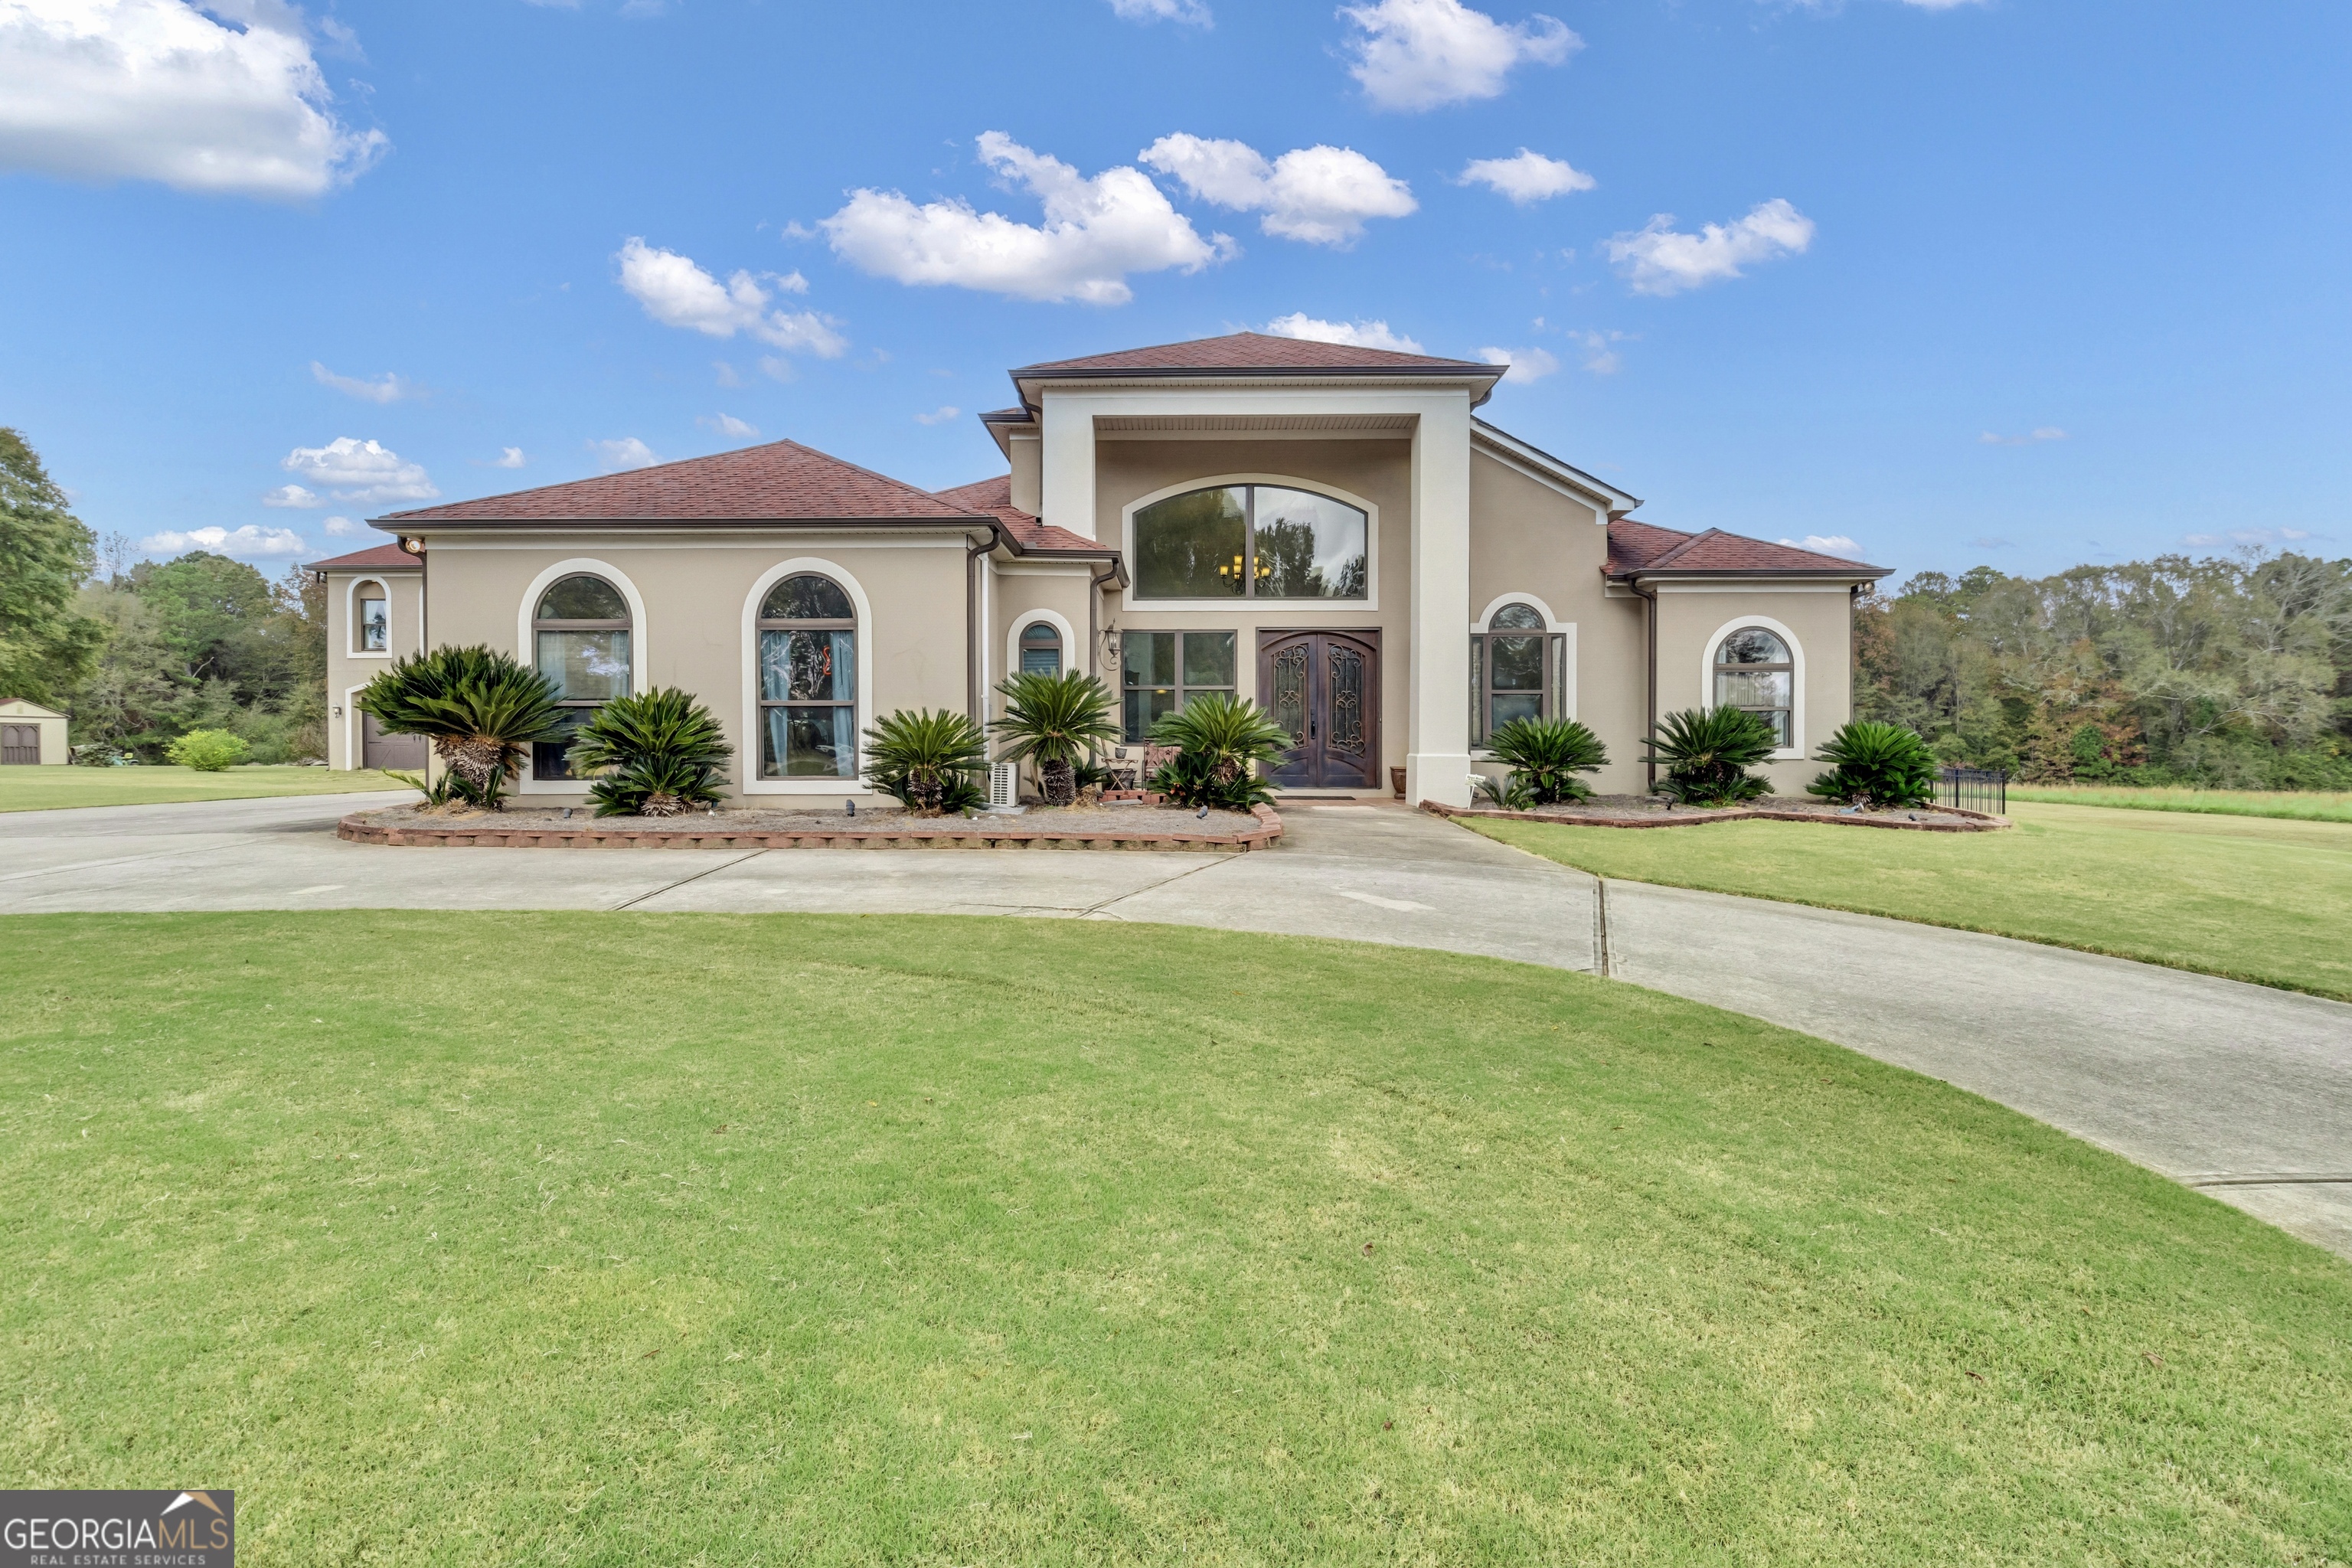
(1040, 649)
(808, 680)
(1517, 670)
(1753, 671)
(581, 634)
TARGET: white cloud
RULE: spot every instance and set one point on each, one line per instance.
(1320, 194)
(1097, 231)
(344, 527)
(249, 540)
(1527, 177)
(1827, 544)
(628, 452)
(726, 425)
(293, 496)
(388, 388)
(1658, 260)
(1525, 364)
(2030, 438)
(678, 293)
(508, 457)
(2250, 537)
(1420, 53)
(230, 103)
(940, 416)
(1600, 355)
(1189, 12)
(1360, 334)
(356, 470)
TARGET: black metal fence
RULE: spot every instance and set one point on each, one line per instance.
(1974, 789)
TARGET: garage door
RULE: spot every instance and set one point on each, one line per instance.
(20, 744)
(378, 750)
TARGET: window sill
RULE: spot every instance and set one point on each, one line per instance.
(837, 786)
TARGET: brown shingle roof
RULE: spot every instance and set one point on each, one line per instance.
(1645, 548)
(1029, 536)
(780, 481)
(1254, 351)
(378, 558)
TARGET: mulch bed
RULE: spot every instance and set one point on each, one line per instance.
(1651, 811)
(1115, 826)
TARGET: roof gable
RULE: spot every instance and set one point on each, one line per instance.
(1645, 549)
(1254, 352)
(780, 481)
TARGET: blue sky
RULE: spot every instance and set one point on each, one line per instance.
(2011, 281)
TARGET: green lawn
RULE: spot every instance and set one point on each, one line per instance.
(52, 789)
(567, 1239)
(2246, 896)
(2300, 805)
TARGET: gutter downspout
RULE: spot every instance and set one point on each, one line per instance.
(972, 554)
(1650, 736)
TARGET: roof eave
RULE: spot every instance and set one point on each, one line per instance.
(1858, 572)
(412, 523)
(1616, 501)
(1489, 375)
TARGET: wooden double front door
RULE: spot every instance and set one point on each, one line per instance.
(1325, 689)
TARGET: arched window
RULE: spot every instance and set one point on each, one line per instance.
(1515, 669)
(371, 619)
(580, 629)
(1753, 671)
(1040, 649)
(1255, 542)
(808, 680)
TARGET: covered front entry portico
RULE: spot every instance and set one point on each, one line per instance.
(1325, 689)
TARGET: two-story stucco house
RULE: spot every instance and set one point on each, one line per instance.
(1330, 530)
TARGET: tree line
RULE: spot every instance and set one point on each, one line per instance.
(2225, 672)
(139, 654)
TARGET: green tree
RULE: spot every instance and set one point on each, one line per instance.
(221, 620)
(46, 555)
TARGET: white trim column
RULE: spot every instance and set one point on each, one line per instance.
(1437, 677)
(1066, 480)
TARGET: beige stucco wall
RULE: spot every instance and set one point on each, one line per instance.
(1819, 625)
(348, 669)
(695, 595)
(54, 750)
(1376, 471)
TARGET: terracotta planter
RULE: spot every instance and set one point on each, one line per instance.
(1396, 782)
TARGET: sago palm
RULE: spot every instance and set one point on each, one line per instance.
(1707, 753)
(1053, 720)
(1545, 755)
(655, 753)
(930, 760)
(1220, 740)
(1875, 765)
(480, 708)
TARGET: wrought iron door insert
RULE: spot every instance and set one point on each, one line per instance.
(1325, 689)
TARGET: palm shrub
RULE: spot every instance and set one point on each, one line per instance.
(1707, 752)
(1219, 740)
(207, 751)
(1877, 766)
(1053, 720)
(1547, 754)
(655, 753)
(478, 708)
(931, 762)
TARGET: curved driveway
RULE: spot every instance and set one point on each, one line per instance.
(2240, 1090)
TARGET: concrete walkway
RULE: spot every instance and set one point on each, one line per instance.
(2243, 1091)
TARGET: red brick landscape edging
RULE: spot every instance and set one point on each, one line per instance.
(1011, 834)
(1979, 822)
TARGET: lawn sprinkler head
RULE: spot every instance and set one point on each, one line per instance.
(567, 814)
(850, 807)
(1202, 815)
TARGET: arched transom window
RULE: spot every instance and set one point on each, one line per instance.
(1753, 671)
(581, 630)
(1040, 649)
(808, 680)
(1253, 542)
(372, 622)
(1515, 669)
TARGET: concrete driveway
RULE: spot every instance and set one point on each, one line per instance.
(2240, 1089)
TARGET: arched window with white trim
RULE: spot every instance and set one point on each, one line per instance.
(1041, 648)
(1517, 670)
(808, 680)
(1754, 669)
(581, 631)
(1253, 542)
(371, 618)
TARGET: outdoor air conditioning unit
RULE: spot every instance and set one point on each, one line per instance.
(1004, 786)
